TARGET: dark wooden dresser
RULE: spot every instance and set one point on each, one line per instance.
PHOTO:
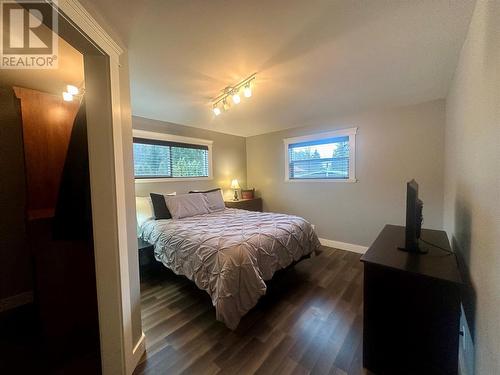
(254, 204)
(411, 306)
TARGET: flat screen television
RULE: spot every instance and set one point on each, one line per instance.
(414, 219)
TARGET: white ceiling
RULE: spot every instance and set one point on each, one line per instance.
(314, 59)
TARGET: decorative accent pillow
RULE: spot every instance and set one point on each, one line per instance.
(159, 206)
(214, 197)
(186, 205)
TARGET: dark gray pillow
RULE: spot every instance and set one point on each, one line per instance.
(159, 206)
(204, 191)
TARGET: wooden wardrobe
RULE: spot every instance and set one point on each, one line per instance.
(52, 159)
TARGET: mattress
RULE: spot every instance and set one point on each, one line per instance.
(231, 253)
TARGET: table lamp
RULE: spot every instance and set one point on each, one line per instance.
(235, 185)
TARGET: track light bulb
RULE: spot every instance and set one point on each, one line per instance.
(236, 99)
(225, 105)
(67, 97)
(217, 111)
(247, 91)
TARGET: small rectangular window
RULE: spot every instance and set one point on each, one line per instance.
(170, 159)
(324, 156)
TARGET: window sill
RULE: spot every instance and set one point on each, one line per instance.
(349, 180)
(173, 179)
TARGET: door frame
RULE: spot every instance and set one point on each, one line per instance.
(119, 354)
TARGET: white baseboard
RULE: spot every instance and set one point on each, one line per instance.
(343, 246)
(138, 351)
(16, 301)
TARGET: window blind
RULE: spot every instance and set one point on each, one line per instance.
(319, 159)
(163, 159)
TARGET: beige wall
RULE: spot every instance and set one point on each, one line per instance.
(228, 158)
(392, 146)
(472, 178)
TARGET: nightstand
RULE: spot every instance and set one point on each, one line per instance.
(254, 204)
(146, 255)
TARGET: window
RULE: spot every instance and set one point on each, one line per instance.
(161, 156)
(319, 157)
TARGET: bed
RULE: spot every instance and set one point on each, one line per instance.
(230, 253)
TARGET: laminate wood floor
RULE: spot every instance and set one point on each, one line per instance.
(310, 321)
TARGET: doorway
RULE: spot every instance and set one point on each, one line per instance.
(105, 135)
(49, 312)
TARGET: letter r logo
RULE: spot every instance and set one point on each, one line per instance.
(23, 29)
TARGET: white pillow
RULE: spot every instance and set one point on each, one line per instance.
(144, 210)
(186, 205)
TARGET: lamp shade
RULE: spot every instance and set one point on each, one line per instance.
(235, 184)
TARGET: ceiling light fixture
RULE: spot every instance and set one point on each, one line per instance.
(232, 92)
(67, 97)
(236, 99)
(71, 92)
(247, 91)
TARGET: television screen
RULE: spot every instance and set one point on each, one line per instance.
(414, 217)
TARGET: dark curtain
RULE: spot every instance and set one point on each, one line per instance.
(73, 214)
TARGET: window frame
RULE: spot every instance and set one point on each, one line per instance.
(350, 132)
(180, 139)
